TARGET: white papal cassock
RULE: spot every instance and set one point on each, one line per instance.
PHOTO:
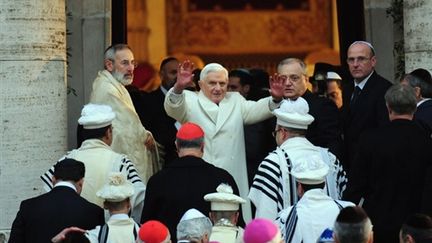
(223, 127)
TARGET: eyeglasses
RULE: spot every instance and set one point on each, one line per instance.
(352, 60)
(126, 63)
(293, 78)
(274, 133)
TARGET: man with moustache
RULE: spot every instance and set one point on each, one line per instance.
(129, 135)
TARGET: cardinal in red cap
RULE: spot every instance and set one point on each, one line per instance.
(190, 131)
(154, 231)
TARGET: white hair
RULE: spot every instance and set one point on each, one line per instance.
(212, 67)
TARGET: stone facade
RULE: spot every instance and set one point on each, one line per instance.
(33, 98)
(418, 34)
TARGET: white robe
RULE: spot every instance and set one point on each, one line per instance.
(309, 217)
(227, 234)
(273, 188)
(129, 135)
(99, 160)
(120, 230)
(223, 127)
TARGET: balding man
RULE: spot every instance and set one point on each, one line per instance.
(363, 98)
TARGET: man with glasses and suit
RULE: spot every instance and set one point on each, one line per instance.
(363, 98)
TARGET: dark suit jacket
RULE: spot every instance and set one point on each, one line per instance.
(150, 109)
(390, 173)
(326, 129)
(41, 218)
(370, 111)
(423, 116)
(179, 186)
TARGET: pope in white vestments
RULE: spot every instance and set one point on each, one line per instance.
(222, 116)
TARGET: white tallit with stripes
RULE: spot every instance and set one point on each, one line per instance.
(273, 187)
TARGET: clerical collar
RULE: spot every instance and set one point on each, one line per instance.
(119, 216)
(422, 101)
(164, 91)
(362, 83)
(65, 183)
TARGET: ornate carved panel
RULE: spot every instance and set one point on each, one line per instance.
(299, 28)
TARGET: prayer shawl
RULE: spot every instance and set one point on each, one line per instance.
(309, 217)
(129, 135)
(99, 161)
(121, 229)
(274, 188)
(227, 234)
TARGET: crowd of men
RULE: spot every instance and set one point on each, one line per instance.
(190, 162)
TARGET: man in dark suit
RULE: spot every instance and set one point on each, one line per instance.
(39, 219)
(325, 130)
(363, 99)
(420, 79)
(150, 109)
(390, 171)
(182, 184)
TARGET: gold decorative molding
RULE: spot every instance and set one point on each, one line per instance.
(249, 31)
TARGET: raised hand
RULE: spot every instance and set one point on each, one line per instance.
(62, 235)
(277, 86)
(184, 76)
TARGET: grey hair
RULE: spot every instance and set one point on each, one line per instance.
(293, 60)
(353, 232)
(425, 87)
(372, 49)
(401, 99)
(194, 229)
(194, 143)
(223, 215)
(212, 67)
(111, 50)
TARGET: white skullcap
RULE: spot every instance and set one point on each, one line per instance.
(192, 214)
(224, 199)
(294, 114)
(333, 75)
(310, 170)
(117, 189)
(95, 116)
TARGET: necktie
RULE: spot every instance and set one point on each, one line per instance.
(356, 93)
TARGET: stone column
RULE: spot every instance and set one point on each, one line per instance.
(418, 34)
(32, 98)
(380, 32)
(89, 27)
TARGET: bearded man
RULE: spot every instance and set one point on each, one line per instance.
(129, 135)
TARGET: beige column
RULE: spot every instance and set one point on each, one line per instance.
(89, 27)
(32, 98)
(381, 33)
(418, 34)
